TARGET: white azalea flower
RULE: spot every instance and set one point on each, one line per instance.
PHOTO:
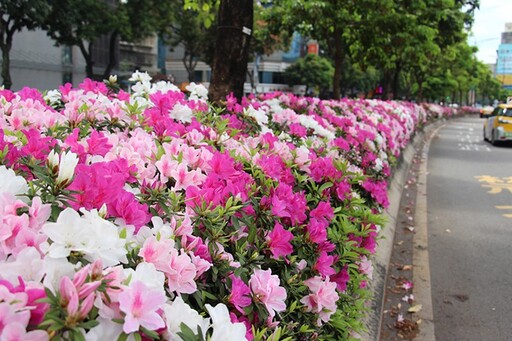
(141, 88)
(147, 274)
(106, 330)
(164, 87)
(181, 113)
(311, 123)
(178, 312)
(90, 235)
(259, 115)
(378, 164)
(197, 92)
(223, 328)
(55, 269)
(52, 96)
(12, 183)
(27, 264)
(138, 76)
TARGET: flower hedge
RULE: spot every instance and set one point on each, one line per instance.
(153, 215)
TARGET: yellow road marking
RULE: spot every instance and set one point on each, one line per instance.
(496, 185)
(505, 207)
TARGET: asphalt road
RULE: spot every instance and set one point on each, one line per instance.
(469, 217)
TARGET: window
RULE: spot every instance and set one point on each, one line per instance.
(67, 55)
(67, 77)
(198, 76)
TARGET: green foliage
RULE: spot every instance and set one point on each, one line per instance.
(313, 71)
(187, 28)
(81, 23)
(205, 9)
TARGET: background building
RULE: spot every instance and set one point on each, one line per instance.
(265, 73)
(504, 59)
(37, 63)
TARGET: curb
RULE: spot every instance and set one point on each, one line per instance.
(421, 274)
(382, 257)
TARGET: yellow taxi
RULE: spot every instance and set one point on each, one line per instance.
(498, 127)
(486, 111)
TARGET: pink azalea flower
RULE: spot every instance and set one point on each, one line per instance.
(378, 191)
(287, 204)
(341, 279)
(322, 299)
(248, 326)
(98, 144)
(343, 189)
(298, 130)
(140, 305)
(266, 290)
(127, 207)
(324, 264)
(279, 241)
(240, 292)
(407, 285)
(366, 267)
(317, 230)
(369, 242)
(323, 211)
(185, 178)
(157, 252)
(15, 331)
(39, 213)
(181, 273)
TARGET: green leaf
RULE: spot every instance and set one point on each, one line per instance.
(122, 337)
(186, 333)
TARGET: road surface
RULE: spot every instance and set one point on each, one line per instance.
(469, 217)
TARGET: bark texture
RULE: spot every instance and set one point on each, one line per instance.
(229, 70)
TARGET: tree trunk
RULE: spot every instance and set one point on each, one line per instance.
(6, 74)
(6, 59)
(89, 63)
(112, 54)
(190, 65)
(338, 63)
(386, 85)
(419, 95)
(396, 80)
(235, 23)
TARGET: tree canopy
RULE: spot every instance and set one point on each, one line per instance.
(82, 22)
(313, 71)
(409, 49)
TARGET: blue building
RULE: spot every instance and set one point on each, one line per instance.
(504, 59)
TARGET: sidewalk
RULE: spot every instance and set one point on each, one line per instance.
(419, 243)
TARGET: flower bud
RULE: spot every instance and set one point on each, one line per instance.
(68, 162)
(86, 306)
(103, 211)
(52, 162)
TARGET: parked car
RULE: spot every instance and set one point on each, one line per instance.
(486, 111)
(498, 126)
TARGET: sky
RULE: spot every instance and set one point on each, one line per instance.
(489, 23)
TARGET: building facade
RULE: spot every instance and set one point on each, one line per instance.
(265, 72)
(504, 59)
(37, 63)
